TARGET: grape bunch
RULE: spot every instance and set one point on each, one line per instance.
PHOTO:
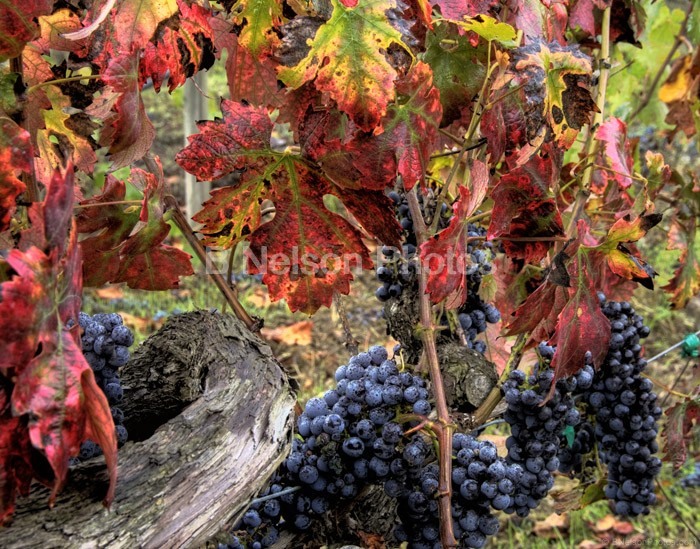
(481, 482)
(537, 419)
(105, 343)
(350, 437)
(347, 439)
(626, 413)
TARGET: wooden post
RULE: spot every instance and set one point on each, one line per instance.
(196, 108)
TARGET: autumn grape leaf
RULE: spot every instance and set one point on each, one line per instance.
(120, 247)
(456, 10)
(136, 21)
(182, 46)
(620, 258)
(312, 243)
(305, 253)
(616, 152)
(445, 255)
(410, 130)
(685, 283)
(251, 79)
(259, 18)
(15, 158)
(557, 77)
(524, 206)
(69, 144)
(539, 313)
(458, 68)
(581, 327)
(540, 20)
(347, 58)
(18, 26)
(683, 418)
(586, 13)
(53, 388)
(128, 132)
(49, 392)
(15, 460)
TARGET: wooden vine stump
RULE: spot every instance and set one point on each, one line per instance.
(211, 414)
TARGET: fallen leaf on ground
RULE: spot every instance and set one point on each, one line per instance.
(551, 526)
(110, 292)
(298, 333)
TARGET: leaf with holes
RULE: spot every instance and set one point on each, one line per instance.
(683, 418)
(556, 78)
(259, 19)
(18, 24)
(445, 255)
(182, 47)
(347, 60)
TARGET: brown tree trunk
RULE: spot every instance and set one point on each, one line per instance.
(210, 414)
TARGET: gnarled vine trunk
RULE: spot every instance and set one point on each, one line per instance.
(210, 413)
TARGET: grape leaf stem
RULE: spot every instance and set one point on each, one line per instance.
(430, 350)
(592, 143)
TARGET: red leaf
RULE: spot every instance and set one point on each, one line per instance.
(222, 145)
(617, 152)
(375, 212)
(445, 255)
(17, 25)
(685, 283)
(410, 130)
(99, 427)
(15, 465)
(181, 48)
(537, 19)
(122, 250)
(539, 312)
(128, 132)
(58, 209)
(678, 431)
(135, 21)
(524, 206)
(20, 315)
(457, 10)
(306, 253)
(582, 327)
(15, 156)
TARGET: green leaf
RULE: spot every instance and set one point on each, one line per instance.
(260, 18)
(347, 58)
(491, 30)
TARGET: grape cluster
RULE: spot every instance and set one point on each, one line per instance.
(105, 343)
(626, 414)
(481, 482)
(347, 439)
(537, 418)
(571, 456)
(350, 437)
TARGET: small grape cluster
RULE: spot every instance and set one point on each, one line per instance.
(481, 482)
(537, 418)
(105, 343)
(626, 414)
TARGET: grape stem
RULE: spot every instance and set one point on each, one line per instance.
(483, 412)
(430, 350)
(350, 341)
(276, 495)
